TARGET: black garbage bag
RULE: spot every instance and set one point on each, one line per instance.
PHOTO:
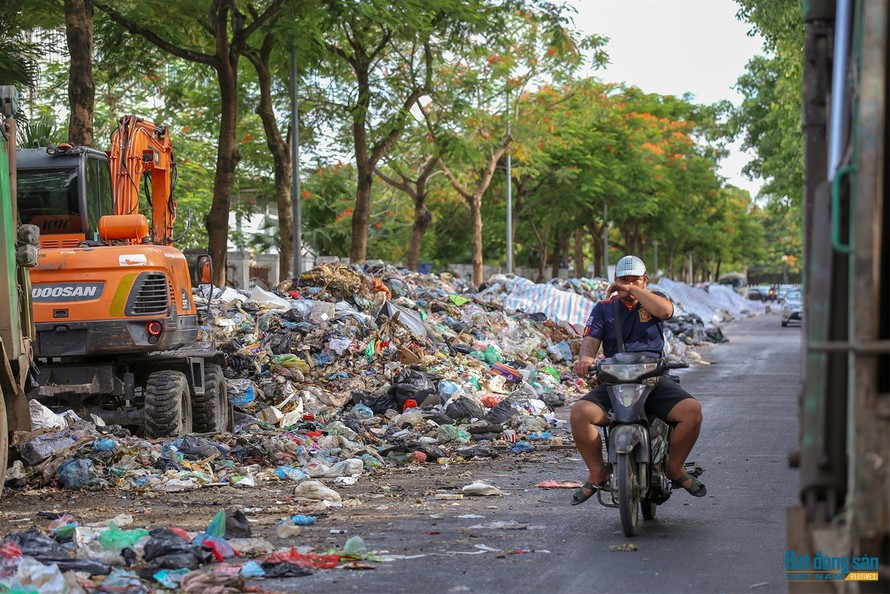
(464, 408)
(165, 464)
(168, 550)
(439, 418)
(410, 384)
(237, 525)
(48, 551)
(378, 404)
(501, 412)
(477, 452)
(37, 545)
(284, 570)
(249, 453)
(197, 448)
(433, 452)
(554, 399)
(715, 334)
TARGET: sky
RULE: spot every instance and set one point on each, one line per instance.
(672, 47)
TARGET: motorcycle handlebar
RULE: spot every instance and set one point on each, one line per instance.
(679, 365)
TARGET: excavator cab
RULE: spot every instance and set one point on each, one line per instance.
(65, 193)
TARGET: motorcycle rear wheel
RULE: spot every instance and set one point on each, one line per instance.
(628, 496)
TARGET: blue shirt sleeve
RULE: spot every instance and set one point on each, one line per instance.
(594, 325)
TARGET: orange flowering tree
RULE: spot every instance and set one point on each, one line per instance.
(468, 115)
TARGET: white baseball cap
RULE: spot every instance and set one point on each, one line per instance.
(630, 266)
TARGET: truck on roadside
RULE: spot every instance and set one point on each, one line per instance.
(18, 252)
(844, 459)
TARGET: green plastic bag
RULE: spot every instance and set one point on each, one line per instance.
(217, 525)
(458, 300)
(355, 547)
(114, 539)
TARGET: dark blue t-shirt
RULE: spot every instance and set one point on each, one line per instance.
(642, 331)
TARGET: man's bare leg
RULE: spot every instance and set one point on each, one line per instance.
(584, 418)
(687, 416)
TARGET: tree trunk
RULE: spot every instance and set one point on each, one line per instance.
(227, 158)
(81, 86)
(542, 263)
(280, 150)
(476, 246)
(561, 249)
(579, 268)
(422, 220)
(596, 237)
(358, 250)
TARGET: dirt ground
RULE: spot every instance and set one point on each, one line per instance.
(379, 500)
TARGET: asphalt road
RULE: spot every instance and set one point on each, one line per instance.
(732, 540)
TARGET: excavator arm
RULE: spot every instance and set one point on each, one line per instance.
(138, 146)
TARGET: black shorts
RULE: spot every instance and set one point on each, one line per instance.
(665, 396)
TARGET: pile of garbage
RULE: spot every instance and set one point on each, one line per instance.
(340, 371)
(107, 557)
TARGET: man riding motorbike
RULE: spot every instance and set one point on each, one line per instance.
(642, 313)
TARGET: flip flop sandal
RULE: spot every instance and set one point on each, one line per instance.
(696, 488)
(580, 497)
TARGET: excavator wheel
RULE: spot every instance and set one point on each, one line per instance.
(212, 409)
(168, 408)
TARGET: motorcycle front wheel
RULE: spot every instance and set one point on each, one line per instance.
(649, 510)
(628, 493)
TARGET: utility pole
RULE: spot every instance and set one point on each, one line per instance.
(509, 193)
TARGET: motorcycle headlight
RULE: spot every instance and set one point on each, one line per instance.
(628, 372)
(628, 394)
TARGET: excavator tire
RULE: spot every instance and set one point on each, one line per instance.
(168, 407)
(212, 408)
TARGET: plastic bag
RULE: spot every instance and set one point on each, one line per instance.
(501, 412)
(197, 447)
(237, 525)
(44, 418)
(168, 550)
(76, 473)
(464, 408)
(402, 315)
(114, 539)
(378, 404)
(411, 385)
(41, 447)
(450, 433)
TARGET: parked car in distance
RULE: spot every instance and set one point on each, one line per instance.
(792, 307)
(784, 289)
(761, 293)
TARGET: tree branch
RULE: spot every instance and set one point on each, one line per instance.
(270, 14)
(468, 196)
(403, 185)
(180, 52)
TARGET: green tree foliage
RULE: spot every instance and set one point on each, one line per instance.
(19, 58)
(770, 117)
(576, 144)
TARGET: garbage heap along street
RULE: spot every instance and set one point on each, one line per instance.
(400, 424)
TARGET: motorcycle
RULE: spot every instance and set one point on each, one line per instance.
(637, 446)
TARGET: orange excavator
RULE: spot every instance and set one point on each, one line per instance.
(116, 322)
